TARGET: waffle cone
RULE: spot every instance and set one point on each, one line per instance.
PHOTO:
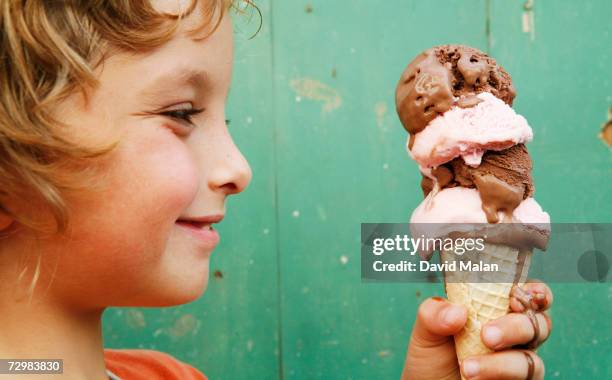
(485, 295)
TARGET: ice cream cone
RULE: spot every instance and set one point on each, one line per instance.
(486, 295)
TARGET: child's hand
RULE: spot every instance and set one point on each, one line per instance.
(431, 351)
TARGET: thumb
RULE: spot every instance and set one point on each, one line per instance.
(431, 351)
(437, 319)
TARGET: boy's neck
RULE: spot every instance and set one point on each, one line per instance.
(44, 330)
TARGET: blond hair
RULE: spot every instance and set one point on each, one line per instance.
(48, 50)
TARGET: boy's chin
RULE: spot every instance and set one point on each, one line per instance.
(177, 294)
(187, 294)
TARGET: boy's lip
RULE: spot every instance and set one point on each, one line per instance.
(202, 221)
(201, 228)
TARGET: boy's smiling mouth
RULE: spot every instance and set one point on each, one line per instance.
(202, 227)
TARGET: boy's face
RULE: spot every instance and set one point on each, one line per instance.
(127, 247)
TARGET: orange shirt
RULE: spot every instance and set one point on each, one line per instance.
(148, 365)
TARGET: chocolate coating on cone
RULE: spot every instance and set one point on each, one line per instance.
(431, 82)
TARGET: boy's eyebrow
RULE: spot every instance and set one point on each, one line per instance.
(197, 78)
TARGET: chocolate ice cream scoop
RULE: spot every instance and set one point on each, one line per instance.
(431, 82)
(503, 179)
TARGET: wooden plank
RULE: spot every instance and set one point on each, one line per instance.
(342, 161)
(560, 63)
(563, 78)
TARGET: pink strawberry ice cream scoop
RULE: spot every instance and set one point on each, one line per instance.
(463, 205)
(468, 132)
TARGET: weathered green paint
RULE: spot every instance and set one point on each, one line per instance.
(564, 81)
(312, 108)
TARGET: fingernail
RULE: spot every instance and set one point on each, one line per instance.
(493, 335)
(470, 368)
(451, 314)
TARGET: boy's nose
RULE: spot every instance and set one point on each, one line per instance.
(233, 173)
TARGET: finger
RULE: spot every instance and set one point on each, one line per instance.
(437, 319)
(541, 296)
(515, 328)
(504, 365)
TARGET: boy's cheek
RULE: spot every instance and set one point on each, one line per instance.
(157, 174)
(126, 232)
(148, 191)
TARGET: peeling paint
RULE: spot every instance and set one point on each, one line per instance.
(332, 342)
(384, 353)
(135, 319)
(322, 213)
(606, 130)
(315, 90)
(186, 324)
(380, 110)
(529, 19)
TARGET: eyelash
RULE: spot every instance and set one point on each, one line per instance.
(184, 114)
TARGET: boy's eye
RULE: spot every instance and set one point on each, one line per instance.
(184, 114)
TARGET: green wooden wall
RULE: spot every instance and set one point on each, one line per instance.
(312, 108)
